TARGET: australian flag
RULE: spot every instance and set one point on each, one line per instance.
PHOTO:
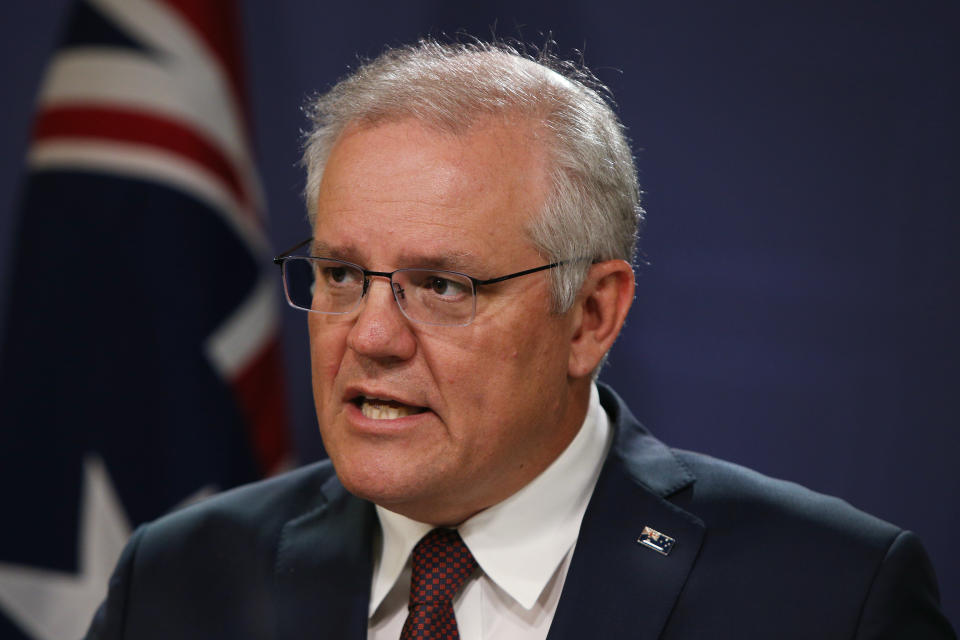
(140, 363)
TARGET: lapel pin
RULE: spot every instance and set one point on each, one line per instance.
(657, 541)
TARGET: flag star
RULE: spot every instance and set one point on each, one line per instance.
(50, 605)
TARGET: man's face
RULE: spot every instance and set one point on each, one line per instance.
(440, 422)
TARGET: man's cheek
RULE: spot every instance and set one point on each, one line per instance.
(327, 350)
(323, 367)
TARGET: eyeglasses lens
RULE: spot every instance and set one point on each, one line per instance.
(425, 296)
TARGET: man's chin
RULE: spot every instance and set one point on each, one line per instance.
(399, 492)
(376, 483)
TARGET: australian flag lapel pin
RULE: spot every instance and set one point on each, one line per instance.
(659, 542)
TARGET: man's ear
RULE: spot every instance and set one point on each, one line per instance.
(599, 313)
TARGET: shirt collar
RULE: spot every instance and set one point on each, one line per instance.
(519, 542)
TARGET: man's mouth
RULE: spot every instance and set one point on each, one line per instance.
(380, 409)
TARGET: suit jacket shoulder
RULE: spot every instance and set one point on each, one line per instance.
(779, 552)
(232, 566)
(744, 555)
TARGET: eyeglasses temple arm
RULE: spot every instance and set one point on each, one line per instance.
(521, 273)
(279, 258)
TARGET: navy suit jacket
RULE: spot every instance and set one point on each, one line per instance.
(290, 558)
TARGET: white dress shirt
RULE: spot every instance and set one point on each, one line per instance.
(523, 546)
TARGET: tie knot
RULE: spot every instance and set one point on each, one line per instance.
(441, 564)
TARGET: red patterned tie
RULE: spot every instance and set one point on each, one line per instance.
(441, 564)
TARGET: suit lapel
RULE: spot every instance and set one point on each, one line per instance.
(616, 587)
(323, 569)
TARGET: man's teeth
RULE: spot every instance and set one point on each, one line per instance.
(379, 411)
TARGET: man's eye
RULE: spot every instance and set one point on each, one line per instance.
(337, 275)
(445, 287)
(439, 285)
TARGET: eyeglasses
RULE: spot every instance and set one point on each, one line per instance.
(427, 296)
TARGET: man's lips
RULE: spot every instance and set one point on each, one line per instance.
(386, 410)
(378, 406)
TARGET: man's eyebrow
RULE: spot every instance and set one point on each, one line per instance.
(321, 249)
(450, 261)
(464, 261)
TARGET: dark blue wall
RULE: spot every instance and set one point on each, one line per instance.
(799, 311)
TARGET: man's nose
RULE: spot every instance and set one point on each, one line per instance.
(381, 331)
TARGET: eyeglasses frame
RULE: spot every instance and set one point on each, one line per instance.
(367, 273)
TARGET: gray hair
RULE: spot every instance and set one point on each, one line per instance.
(593, 211)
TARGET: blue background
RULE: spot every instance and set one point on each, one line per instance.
(799, 310)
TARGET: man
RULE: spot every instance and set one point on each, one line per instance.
(474, 215)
